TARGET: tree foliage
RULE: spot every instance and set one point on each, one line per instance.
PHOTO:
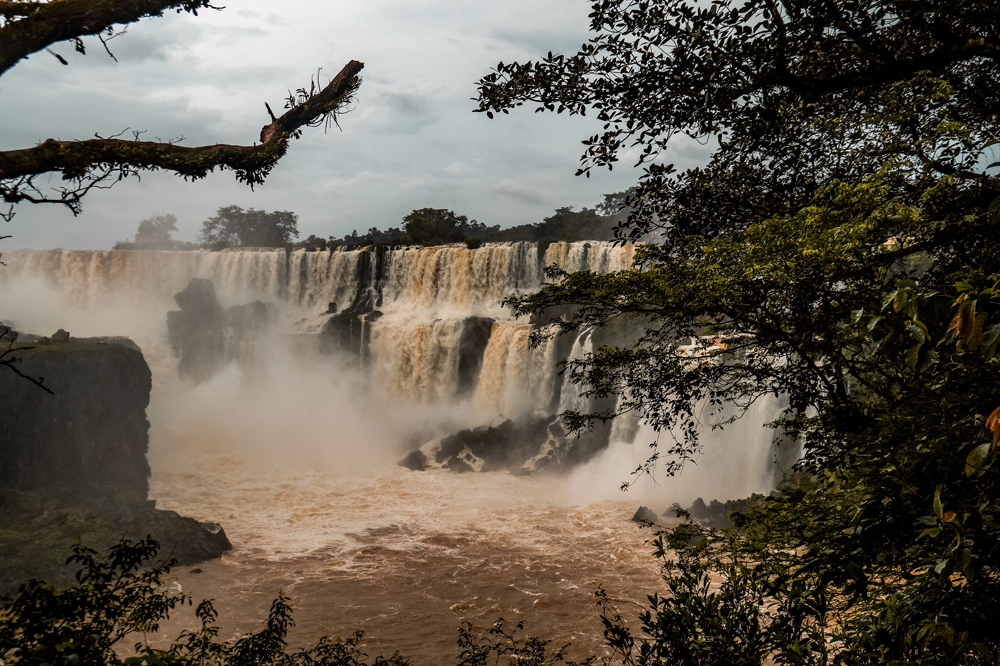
(124, 594)
(234, 227)
(27, 28)
(564, 225)
(434, 226)
(840, 250)
(426, 226)
(437, 226)
(156, 228)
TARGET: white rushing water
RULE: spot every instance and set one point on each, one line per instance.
(296, 455)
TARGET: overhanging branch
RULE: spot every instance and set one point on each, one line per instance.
(44, 24)
(82, 161)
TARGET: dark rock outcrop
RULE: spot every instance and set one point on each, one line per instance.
(533, 443)
(646, 515)
(505, 446)
(73, 463)
(472, 343)
(89, 439)
(717, 514)
(415, 460)
(205, 336)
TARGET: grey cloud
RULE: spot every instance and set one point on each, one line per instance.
(523, 193)
(537, 42)
(402, 112)
(406, 103)
(411, 140)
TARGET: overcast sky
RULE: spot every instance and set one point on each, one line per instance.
(411, 140)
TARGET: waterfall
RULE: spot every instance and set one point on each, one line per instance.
(424, 325)
(416, 359)
(572, 398)
(517, 377)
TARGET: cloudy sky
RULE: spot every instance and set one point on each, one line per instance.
(411, 140)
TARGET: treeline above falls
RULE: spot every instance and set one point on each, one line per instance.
(424, 325)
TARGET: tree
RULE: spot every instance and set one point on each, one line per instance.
(154, 233)
(437, 226)
(564, 225)
(839, 249)
(29, 27)
(156, 229)
(233, 226)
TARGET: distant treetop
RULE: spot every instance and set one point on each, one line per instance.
(234, 227)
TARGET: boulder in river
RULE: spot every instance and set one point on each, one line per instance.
(646, 515)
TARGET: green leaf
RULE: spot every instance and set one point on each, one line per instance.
(963, 286)
(873, 322)
(964, 558)
(988, 345)
(978, 460)
(899, 302)
(938, 506)
(993, 215)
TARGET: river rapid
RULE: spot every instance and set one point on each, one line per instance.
(406, 556)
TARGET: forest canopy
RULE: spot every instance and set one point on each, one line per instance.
(838, 251)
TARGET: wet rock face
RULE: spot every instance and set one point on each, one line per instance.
(646, 515)
(533, 443)
(475, 336)
(73, 465)
(205, 336)
(349, 331)
(90, 437)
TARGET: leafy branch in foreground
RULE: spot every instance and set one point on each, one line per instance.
(838, 252)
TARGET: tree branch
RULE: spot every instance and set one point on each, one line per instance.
(44, 24)
(9, 360)
(79, 160)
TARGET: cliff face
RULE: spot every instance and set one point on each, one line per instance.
(73, 465)
(90, 438)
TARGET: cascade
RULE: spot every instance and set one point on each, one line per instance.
(516, 377)
(425, 325)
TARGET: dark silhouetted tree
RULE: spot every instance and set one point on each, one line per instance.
(234, 227)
